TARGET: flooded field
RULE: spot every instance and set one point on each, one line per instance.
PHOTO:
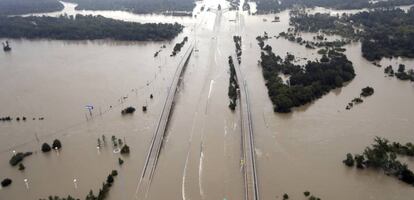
(201, 154)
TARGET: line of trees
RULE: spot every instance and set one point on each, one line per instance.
(233, 85)
(266, 6)
(102, 194)
(401, 74)
(365, 92)
(136, 6)
(238, 42)
(306, 83)
(85, 28)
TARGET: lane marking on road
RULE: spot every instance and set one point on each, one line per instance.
(211, 88)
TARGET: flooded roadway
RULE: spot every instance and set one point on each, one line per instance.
(200, 157)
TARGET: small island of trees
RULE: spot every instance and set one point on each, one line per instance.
(125, 150)
(178, 46)
(306, 83)
(367, 91)
(128, 110)
(382, 155)
(46, 147)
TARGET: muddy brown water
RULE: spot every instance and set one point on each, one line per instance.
(200, 158)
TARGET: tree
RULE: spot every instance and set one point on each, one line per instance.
(90, 196)
(57, 144)
(359, 161)
(388, 70)
(306, 193)
(114, 173)
(232, 105)
(324, 58)
(285, 196)
(16, 159)
(21, 167)
(125, 149)
(46, 147)
(110, 179)
(120, 161)
(6, 182)
(406, 175)
(128, 110)
(367, 91)
(349, 161)
(401, 68)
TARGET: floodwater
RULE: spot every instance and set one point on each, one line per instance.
(200, 158)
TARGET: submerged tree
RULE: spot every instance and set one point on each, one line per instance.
(125, 149)
(46, 147)
(349, 161)
(57, 144)
(6, 182)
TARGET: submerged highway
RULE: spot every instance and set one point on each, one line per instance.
(244, 121)
(249, 158)
(157, 140)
